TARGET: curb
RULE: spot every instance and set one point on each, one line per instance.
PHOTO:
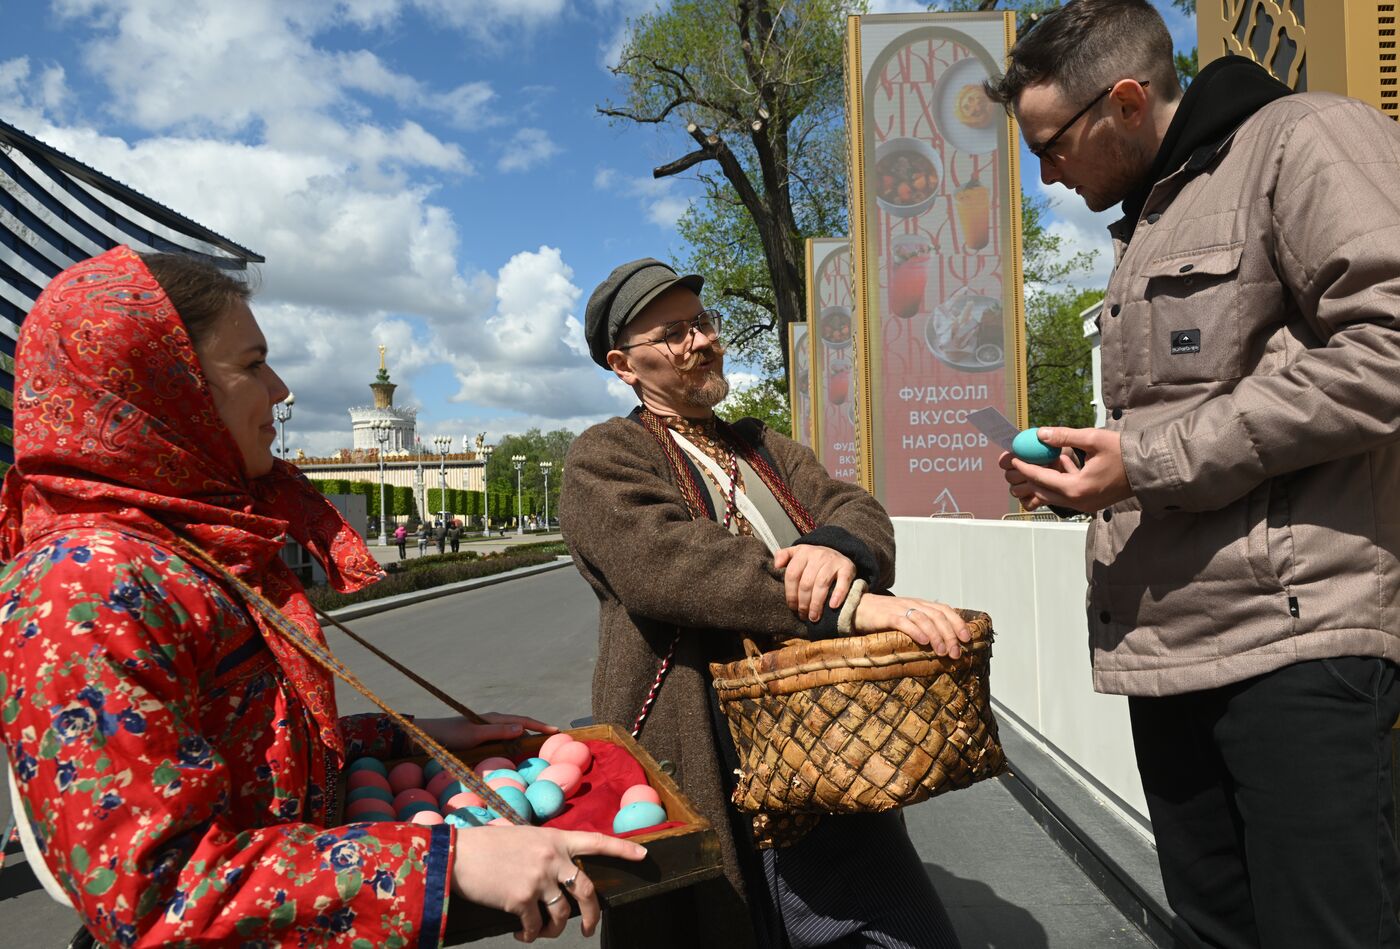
(383, 605)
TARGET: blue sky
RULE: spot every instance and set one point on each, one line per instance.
(426, 174)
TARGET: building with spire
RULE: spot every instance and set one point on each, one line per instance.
(401, 421)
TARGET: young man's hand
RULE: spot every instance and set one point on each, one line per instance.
(1101, 482)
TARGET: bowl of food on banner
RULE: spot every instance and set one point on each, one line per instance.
(907, 176)
(965, 117)
(909, 259)
(835, 327)
(838, 382)
(966, 331)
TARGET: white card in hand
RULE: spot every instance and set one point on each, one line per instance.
(994, 425)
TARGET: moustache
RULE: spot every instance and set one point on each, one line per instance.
(693, 358)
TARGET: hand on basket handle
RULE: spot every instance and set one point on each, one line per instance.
(522, 870)
(459, 734)
(924, 621)
(814, 577)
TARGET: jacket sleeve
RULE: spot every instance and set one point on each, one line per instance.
(632, 538)
(1336, 230)
(135, 810)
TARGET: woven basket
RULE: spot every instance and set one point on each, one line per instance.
(860, 724)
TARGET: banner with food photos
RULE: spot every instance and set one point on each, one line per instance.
(800, 384)
(936, 245)
(830, 316)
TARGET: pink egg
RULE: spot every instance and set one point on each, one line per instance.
(367, 779)
(464, 799)
(554, 743)
(405, 775)
(426, 818)
(491, 764)
(496, 784)
(639, 792)
(575, 753)
(366, 807)
(440, 780)
(413, 796)
(500, 820)
(567, 776)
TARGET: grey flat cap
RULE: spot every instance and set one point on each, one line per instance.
(615, 301)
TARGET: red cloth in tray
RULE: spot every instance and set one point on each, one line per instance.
(599, 797)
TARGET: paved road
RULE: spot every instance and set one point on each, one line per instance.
(527, 646)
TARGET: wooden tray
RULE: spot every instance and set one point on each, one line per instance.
(676, 857)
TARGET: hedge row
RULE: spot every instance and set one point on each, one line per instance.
(435, 574)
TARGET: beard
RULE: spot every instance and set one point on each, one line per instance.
(707, 390)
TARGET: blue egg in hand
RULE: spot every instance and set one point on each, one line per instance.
(1028, 447)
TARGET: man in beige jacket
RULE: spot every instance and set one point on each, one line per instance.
(1244, 560)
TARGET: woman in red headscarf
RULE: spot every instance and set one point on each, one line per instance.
(176, 758)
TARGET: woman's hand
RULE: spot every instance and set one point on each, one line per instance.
(521, 869)
(458, 734)
(923, 621)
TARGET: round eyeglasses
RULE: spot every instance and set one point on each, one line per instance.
(677, 336)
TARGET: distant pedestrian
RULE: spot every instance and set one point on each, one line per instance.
(454, 536)
(423, 534)
(401, 538)
(440, 535)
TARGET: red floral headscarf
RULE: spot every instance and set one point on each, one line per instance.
(115, 428)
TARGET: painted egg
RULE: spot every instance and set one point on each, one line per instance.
(405, 775)
(362, 810)
(367, 779)
(505, 773)
(546, 799)
(1028, 447)
(368, 764)
(413, 796)
(552, 744)
(496, 784)
(530, 769)
(379, 794)
(487, 765)
(518, 802)
(640, 792)
(575, 753)
(483, 815)
(464, 819)
(415, 807)
(637, 816)
(427, 818)
(431, 770)
(437, 782)
(464, 799)
(567, 776)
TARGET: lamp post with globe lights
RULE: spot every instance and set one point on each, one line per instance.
(380, 427)
(545, 468)
(442, 444)
(282, 412)
(519, 462)
(486, 451)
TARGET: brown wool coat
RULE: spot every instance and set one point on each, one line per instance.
(655, 570)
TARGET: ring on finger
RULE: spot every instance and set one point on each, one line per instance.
(569, 883)
(910, 612)
(557, 897)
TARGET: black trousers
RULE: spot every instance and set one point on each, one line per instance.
(1272, 805)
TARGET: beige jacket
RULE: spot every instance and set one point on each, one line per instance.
(1266, 524)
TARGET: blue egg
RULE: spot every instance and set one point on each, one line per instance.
(518, 802)
(430, 771)
(1028, 447)
(483, 815)
(450, 791)
(530, 769)
(638, 815)
(408, 810)
(504, 773)
(546, 799)
(359, 794)
(368, 764)
(462, 818)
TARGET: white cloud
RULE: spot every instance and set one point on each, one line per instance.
(898, 6)
(1080, 230)
(657, 197)
(527, 148)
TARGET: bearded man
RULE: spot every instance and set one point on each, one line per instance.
(694, 532)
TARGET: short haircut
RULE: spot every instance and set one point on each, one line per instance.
(200, 291)
(1085, 47)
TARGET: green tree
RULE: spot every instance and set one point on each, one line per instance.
(536, 446)
(765, 400)
(1059, 369)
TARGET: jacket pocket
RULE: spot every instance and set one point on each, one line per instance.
(1270, 538)
(1194, 299)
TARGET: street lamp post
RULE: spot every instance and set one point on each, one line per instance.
(442, 444)
(282, 412)
(545, 467)
(486, 451)
(519, 462)
(381, 435)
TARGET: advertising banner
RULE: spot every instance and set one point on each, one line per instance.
(935, 250)
(800, 384)
(830, 316)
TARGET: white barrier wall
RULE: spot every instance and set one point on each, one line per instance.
(1029, 576)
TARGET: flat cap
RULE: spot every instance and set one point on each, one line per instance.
(619, 298)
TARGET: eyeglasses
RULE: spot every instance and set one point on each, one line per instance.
(1042, 151)
(677, 335)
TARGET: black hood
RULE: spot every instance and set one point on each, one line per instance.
(1217, 102)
